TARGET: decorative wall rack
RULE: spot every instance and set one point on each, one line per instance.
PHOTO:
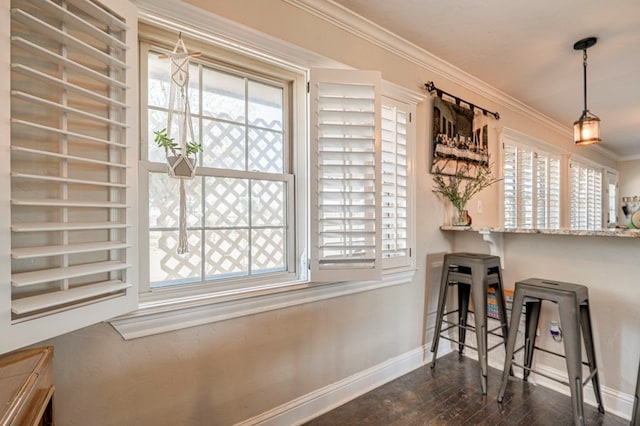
(431, 87)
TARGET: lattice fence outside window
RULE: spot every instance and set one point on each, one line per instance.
(240, 203)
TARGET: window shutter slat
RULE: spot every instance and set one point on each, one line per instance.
(40, 27)
(69, 64)
(31, 252)
(69, 157)
(32, 304)
(67, 214)
(25, 279)
(36, 126)
(345, 175)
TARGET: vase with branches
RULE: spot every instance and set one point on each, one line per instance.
(461, 187)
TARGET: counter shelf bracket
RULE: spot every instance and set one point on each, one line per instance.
(496, 243)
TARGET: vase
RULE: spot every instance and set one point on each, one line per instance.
(462, 218)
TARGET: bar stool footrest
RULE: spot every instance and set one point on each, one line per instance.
(557, 354)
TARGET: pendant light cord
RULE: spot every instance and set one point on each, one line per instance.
(584, 80)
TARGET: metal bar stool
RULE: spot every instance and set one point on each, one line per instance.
(635, 419)
(473, 273)
(573, 306)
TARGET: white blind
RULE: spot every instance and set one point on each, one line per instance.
(345, 180)
(531, 188)
(586, 196)
(70, 187)
(394, 181)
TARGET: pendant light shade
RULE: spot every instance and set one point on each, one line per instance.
(586, 130)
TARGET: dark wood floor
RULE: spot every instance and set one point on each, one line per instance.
(450, 395)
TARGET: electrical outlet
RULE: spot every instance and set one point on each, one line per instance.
(555, 331)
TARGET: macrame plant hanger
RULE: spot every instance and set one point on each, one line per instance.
(180, 166)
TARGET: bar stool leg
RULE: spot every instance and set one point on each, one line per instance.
(502, 312)
(516, 313)
(532, 316)
(591, 353)
(442, 302)
(480, 313)
(570, 319)
(463, 313)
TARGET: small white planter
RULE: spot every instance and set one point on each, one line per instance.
(181, 166)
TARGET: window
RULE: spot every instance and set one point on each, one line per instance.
(312, 180)
(240, 208)
(531, 187)
(70, 204)
(586, 195)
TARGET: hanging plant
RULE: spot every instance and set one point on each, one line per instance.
(181, 154)
(180, 165)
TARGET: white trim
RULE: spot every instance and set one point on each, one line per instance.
(401, 94)
(577, 158)
(180, 16)
(313, 404)
(519, 138)
(629, 158)
(614, 401)
(154, 319)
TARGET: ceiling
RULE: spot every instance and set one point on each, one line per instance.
(525, 49)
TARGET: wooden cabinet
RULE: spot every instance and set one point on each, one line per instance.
(26, 387)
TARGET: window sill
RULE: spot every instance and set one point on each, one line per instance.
(171, 315)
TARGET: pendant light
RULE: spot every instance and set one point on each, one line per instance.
(586, 130)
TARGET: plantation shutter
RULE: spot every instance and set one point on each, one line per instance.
(525, 187)
(586, 196)
(345, 175)
(531, 188)
(548, 191)
(67, 206)
(510, 188)
(395, 247)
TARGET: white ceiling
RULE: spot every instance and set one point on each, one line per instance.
(525, 49)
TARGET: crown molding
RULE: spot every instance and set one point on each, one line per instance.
(629, 158)
(381, 37)
(605, 152)
(177, 15)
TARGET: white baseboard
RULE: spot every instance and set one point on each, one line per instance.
(320, 401)
(614, 401)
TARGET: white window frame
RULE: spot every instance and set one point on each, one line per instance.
(91, 304)
(536, 148)
(159, 314)
(146, 167)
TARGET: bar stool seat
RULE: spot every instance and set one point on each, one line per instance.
(474, 274)
(573, 305)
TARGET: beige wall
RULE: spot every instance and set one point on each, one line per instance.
(231, 370)
(629, 174)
